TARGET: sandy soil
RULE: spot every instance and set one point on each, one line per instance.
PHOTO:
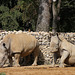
(38, 70)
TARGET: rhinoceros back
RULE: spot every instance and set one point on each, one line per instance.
(21, 41)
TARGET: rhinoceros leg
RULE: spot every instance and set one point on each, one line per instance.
(10, 61)
(54, 59)
(36, 53)
(17, 57)
(65, 54)
(4, 61)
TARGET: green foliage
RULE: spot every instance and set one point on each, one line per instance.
(2, 74)
(8, 19)
(67, 15)
(29, 10)
(14, 14)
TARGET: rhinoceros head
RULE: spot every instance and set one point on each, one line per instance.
(53, 47)
(3, 54)
(54, 44)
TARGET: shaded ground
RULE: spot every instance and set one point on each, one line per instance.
(38, 70)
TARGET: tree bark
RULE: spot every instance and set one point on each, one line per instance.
(43, 21)
(54, 25)
(55, 9)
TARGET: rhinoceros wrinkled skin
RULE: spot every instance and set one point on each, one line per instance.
(66, 50)
(18, 45)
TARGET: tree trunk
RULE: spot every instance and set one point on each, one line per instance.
(43, 21)
(54, 26)
(55, 9)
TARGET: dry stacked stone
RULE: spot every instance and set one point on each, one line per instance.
(45, 57)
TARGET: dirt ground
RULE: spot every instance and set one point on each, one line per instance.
(38, 70)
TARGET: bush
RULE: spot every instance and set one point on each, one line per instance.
(2, 74)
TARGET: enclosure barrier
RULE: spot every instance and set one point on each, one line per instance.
(45, 57)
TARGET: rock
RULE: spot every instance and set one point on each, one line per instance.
(44, 40)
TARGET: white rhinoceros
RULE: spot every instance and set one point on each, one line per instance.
(64, 49)
(18, 45)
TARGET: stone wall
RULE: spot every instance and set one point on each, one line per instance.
(45, 57)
